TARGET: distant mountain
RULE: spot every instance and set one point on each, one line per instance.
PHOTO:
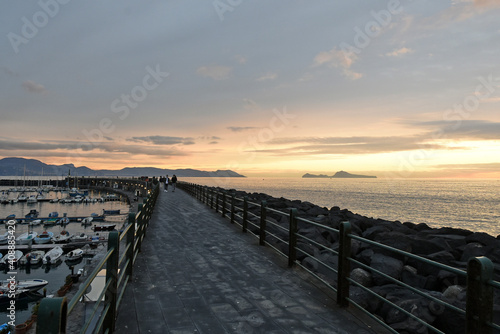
(340, 175)
(31, 167)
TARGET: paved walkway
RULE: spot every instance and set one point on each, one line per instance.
(199, 274)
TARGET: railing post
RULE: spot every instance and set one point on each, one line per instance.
(211, 198)
(479, 309)
(140, 226)
(223, 204)
(217, 202)
(244, 224)
(344, 264)
(130, 243)
(232, 208)
(53, 314)
(112, 276)
(292, 239)
(262, 232)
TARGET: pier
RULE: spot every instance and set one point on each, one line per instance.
(198, 274)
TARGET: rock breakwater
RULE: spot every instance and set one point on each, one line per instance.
(449, 246)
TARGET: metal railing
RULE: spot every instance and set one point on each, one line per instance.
(53, 312)
(253, 217)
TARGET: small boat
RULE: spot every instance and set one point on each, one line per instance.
(44, 238)
(31, 285)
(110, 212)
(15, 257)
(54, 214)
(33, 258)
(50, 222)
(63, 221)
(12, 216)
(108, 227)
(80, 237)
(22, 198)
(54, 200)
(62, 237)
(35, 222)
(74, 255)
(32, 214)
(87, 221)
(53, 256)
(32, 199)
(27, 238)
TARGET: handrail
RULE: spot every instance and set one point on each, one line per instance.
(53, 312)
(479, 273)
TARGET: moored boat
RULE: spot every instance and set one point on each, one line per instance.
(44, 238)
(62, 237)
(81, 237)
(11, 258)
(33, 258)
(74, 255)
(109, 227)
(30, 285)
(87, 221)
(110, 212)
(26, 238)
(53, 256)
(4, 238)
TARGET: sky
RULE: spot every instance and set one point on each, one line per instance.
(396, 88)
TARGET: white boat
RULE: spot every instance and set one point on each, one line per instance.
(53, 256)
(80, 237)
(63, 221)
(35, 222)
(62, 237)
(87, 221)
(31, 200)
(14, 258)
(30, 285)
(44, 238)
(33, 257)
(54, 200)
(26, 238)
(75, 254)
(22, 198)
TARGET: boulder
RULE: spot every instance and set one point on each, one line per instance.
(361, 276)
(388, 265)
(482, 238)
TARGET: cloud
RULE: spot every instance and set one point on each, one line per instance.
(339, 59)
(463, 129)
(486, 3)
(268, 76)
(215, 72)
(33, 87)
(241, 59)
(163, 140)
(399, 52)
(241, 128)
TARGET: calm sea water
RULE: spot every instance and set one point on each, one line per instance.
(459, 203)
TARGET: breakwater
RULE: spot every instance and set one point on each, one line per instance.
(420, 293)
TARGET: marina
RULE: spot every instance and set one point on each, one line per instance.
(77, 226)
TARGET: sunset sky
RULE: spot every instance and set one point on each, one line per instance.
(391, 88)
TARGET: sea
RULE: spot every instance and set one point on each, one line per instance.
(54, 274)
(472, 204)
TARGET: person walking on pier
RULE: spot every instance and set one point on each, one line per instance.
(167, 180)
(174, 182)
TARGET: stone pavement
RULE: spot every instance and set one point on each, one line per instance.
(197, 273)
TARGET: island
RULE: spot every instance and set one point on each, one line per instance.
(339, 175)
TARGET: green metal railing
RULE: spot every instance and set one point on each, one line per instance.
(481, 286)
(53, 312)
